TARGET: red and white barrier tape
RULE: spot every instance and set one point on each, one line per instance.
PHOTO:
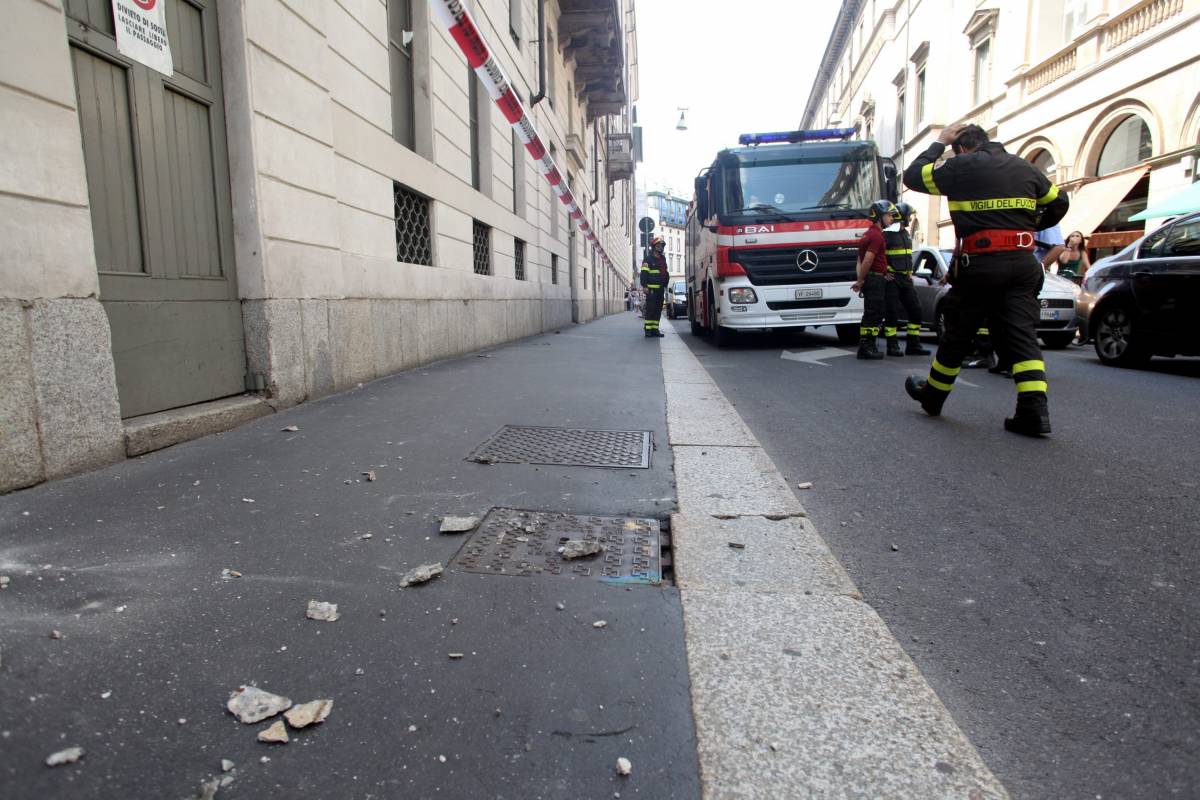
(464, 31)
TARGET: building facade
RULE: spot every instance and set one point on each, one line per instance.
(318, 194)
(1102, 94)
(670, 221)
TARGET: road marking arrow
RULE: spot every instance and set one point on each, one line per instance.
(814, 356)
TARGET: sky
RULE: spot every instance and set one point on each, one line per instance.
(739, 67)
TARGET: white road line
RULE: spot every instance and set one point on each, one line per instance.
(814, 356)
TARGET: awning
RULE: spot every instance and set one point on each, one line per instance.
(1091, 203)
(1186, 202)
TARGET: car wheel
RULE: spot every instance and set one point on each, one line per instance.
(1057, 341)
(1115, 343)
(721, 336)
(847, 334)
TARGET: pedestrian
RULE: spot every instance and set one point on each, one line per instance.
(654, 277)
(628, 299)
(638, 296)
(1073, 261)
(1047, 244)
(872, 277)
(997, 201)
(898, 291)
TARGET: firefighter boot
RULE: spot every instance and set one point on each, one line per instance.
(1032, 417)
(893, 346)
(912, 347)
(931, 400)
(867, 348)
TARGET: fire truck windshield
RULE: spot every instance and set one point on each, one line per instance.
(799, 179)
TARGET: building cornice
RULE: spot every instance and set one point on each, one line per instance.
(838, 37)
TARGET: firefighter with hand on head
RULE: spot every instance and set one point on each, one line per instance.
(872, 277)
(997, 202)
(899, 291)
(654, 278)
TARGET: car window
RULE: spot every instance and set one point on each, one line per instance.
(925, 262)
(1182, 240)
(1152, 247)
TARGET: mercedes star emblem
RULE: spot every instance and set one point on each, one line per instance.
(806, 260)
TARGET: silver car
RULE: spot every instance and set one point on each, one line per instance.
(1059, 321)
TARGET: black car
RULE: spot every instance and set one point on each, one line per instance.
(1145, 300)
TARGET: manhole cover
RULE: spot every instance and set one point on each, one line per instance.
(513, 542)
(515, 444)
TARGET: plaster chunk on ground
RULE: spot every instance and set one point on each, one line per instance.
(68, 756)
(309, 713)
(251, 704)
(624, 766)
(322, 612)
(420, 574)
(275, 734)
(580, 548)
(458, 524)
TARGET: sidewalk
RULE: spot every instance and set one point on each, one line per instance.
(126, 564)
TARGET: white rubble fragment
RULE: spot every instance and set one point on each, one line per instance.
(579, 548)
(247, 500)
(230, 574)
(310, 713)
(120, 609)
(367, 536)
(599, 623)
(275, 734)
(68, 756)
(360, 671)
(805, 485)
(455, 656)
(226, 765)
(559, 606)
(624, 767)
(289, 429)
(226, 781)
(369, 475)
(420, 574)
(56, 634)
(442, 759)
(182, 720)
(208, 789)
(264, 759)
(106, 694)
(251, 704)
(322, 611)
(4, 581)
(458, 524)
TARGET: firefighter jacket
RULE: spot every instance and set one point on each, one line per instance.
(988, 189)
(655, 274)
(898, 248)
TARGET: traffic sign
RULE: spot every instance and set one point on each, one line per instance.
(645, 224)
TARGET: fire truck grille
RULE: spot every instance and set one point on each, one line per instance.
(777, 266)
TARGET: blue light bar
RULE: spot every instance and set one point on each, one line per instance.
(796, 136)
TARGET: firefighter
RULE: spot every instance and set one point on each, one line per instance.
(654, 277)
(872, 277)
(997, 202)
(899, 289)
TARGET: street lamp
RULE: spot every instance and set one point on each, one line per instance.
(682, 124)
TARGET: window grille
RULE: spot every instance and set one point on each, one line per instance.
(481, 239)
(554, 269)
(414, 237)
(519, 255)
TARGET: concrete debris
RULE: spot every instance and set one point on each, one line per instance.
(455, 656)
(737, 545)
(360, 671)
(227, 780)
(805, 485)
(106, 694)
(251, 704)
(208, 789)
(56, 634)
(289, 429)
(580, 548)
(276, 734)
(4, 581)
(182, 720)
(442, 759)
(247, 499)
(600, 624)
(420, 574)
(230, 574)
(624, 767)
(458, 524)
(264, 759)
(367, 536)
(370, 475)
(310, 713)
(68, 756)
(322, 612)
(559, 606)
(895, 547)
(226, 765)
(120, 609)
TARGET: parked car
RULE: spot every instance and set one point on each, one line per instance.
(1057, 298)
(677, 299)
(1145, 300)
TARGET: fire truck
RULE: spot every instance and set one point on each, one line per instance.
(773, 229)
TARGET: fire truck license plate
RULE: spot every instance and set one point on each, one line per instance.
(809, 294)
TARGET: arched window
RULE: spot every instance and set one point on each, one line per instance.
(1129, 144)
(1044, 161)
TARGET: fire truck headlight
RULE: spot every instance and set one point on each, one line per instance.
(742, 295)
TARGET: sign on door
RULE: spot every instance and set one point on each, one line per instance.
(142, 33)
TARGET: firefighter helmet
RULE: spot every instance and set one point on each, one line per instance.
(879, 208)
(656, 241)
(905, 211)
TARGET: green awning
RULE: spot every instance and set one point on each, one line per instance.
(1186, 202)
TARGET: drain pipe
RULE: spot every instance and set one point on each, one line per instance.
(541, 93)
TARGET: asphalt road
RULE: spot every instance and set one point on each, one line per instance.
(1047, 589)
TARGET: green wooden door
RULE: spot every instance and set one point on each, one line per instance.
(158, 185)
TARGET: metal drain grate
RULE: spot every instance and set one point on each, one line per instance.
(524, 543)
(515, 444)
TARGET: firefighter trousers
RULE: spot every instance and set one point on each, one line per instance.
(653, 308)
(999, 291)
(874, 293)
(899, 295)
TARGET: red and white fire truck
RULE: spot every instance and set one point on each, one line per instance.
(772, 233)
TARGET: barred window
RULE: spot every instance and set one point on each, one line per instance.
(554, 268)
(481, 239)
(519, 257)
(413, 235)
